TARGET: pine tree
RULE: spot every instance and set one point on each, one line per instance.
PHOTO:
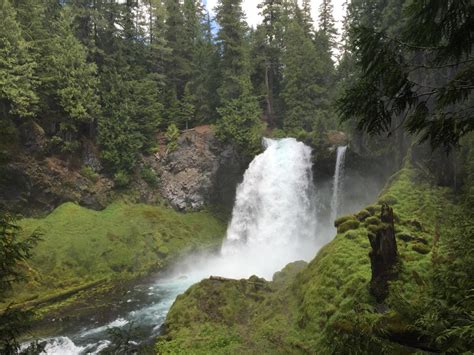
(327, 27)
(416, 73)
(269, 49)
(14, 249)
(232, 47)
(178, 64)
(239, 110)
(304, 91)
(205, 78)
(17, 66)
(68, 84)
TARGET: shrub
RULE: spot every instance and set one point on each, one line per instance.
(121, 179)
(172, 135)
(150, 176)
(89, 173)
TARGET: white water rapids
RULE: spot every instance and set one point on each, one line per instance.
(273, 223)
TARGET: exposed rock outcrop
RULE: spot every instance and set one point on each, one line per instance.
(199, 172)
(32, 186)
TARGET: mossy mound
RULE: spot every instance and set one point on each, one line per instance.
(374, 220)
(350, 224)
(363, 215)
(326, 307)
(342, 220)
(81, 246)
(421, 248)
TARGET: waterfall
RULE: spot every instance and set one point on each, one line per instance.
(338, 182)
(273, 223)
(274, 216)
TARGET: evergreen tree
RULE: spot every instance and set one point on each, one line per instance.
(269, 47)
(303, 94)
(418, 73)
(235, 68)
(239, 109)
(17, 66)
(178, 64)
(327, 27)
(68, 84)
(13, 251)
(199, 88)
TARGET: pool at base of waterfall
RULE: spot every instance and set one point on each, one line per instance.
(139, 316)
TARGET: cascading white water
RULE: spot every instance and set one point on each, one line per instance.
(338, 182)
(274, 205)
(274, 216)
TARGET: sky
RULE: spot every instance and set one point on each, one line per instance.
(253, 18)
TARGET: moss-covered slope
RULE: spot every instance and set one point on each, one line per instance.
(81, 246)
(326, 307)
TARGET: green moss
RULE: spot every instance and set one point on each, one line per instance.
(351, 234)
(80, 246)
(388, 199)
(288, 273)
(373, 209)
(363, 215)
(374, 220)
(348, 225)
(421, 248)
(342, 219)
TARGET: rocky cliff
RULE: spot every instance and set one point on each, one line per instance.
(199, 172)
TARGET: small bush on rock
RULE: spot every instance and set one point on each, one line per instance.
(121, 179)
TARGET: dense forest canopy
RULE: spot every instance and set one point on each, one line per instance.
(116, 72)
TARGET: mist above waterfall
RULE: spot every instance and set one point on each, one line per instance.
(274, 220)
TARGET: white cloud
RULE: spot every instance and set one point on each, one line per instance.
(253, 18)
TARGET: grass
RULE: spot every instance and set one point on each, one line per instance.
(325, 307)
(81, 246)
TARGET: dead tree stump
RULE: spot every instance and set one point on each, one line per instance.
(384, 255)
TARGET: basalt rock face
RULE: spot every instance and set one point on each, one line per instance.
(200, 171)
(36, 186)
(383, 256)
